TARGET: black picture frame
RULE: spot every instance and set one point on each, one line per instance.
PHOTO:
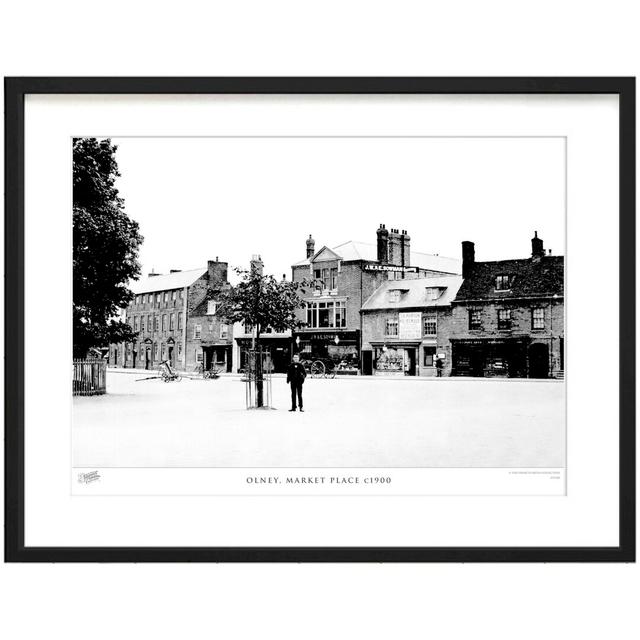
(15, 91)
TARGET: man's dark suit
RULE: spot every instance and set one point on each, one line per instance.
(295, 377)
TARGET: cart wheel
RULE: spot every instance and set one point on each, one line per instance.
(317, 369)
(178, 378)
(331, 373)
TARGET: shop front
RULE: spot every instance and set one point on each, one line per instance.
(490, 357)
(395, 359)
(218, 356)
(278, 353)
(341, 347)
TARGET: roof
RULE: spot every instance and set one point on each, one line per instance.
(176, 280)
(353, 250)
(414, 293)
(531, 279)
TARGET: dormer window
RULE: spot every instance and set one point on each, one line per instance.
(394, 295)
(503, 282)
(433, 293)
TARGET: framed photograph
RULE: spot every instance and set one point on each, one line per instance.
(320, 319)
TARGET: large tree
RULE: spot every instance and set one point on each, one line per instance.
(105, 248)
(261, 301)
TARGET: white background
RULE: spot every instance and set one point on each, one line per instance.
(587, 516)
(332, 38)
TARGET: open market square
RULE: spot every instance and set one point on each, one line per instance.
(349, 421)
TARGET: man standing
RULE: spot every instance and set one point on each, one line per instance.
(295, 377)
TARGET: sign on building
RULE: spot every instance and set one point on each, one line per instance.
(409, 326)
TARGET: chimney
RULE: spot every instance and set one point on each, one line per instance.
(537, 248)
(175, 270)
(256, 265)
(217, 272)
(405, 248)
(395, 247)
(468, 258)
(311, 247)
(153, 274)
(383, 244)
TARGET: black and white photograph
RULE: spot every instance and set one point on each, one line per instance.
(323, 302)
(321, 320)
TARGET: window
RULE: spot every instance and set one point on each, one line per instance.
(430, 324)
(135, 323)
(504, 319)
(199, 355)
(503, 282)
(149, 323)
(326, 315)
(475, 319)
(166, 297)
(158, 298)
(334, 278)
(197, 330)
(433, 293)
(171, 319)
(224, 331)
(164, 322)
(429, 356)
(394, 295)
(391, 328)
(174, 294)
(156, 323)
(537, 318)
(180, 320)
(212, 307)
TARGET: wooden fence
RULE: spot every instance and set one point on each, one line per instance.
(89, 377)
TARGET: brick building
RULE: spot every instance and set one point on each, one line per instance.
(175, 318)
(508, 316)
(343, 278)
(406, 324)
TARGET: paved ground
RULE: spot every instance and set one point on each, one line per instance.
(348, 422)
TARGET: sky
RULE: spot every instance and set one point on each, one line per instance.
(201, 198)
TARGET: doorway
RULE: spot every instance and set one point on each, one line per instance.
(538, 360)
(367, 363)
(411, 359)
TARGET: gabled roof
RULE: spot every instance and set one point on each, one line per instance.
(531, 279)
(352, 250)
(414, 293)
(177, 280)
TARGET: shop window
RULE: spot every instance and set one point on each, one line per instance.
(537, 318)
(430, 324)
(429, 356)
(504, 319)
(475, 320)
(391, 327)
